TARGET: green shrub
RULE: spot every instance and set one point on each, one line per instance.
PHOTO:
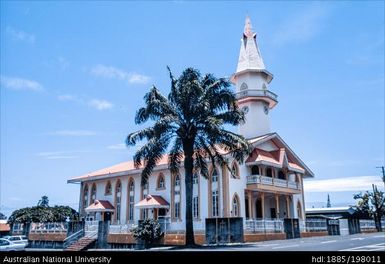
(147, 232)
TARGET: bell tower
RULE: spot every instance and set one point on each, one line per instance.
(252, 80)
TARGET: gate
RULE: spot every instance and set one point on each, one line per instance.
(291, 227)
(333, 226)
(224, 230)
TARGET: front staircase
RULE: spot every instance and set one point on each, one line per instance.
(81, 244)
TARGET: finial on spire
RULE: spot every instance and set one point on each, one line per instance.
(248, 30)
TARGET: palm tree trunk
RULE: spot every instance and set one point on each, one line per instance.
(188, 167)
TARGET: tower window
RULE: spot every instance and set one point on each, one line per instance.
(264, 87)
(243, 86)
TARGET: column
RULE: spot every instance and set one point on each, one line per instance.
(250, 198)
(263, 205)
(277, 205)
(288, 206)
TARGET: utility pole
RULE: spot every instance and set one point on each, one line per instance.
(383, 173)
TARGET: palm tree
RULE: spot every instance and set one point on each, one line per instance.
(192, 118)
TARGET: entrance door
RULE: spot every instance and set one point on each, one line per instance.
(258, 209)
(273, 213)
(107, 216)
(247, 208)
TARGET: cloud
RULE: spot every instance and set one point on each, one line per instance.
(15, 83)
(359, 183)
(302, 26)
(67, 97)
(63, 63)
(117, 146)
(72, 133)
(100, 104)
(20, 35)
(60, 154)
(110, 72)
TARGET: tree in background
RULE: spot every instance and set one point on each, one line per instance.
(2, 216)
(371, 205)
(43, 213)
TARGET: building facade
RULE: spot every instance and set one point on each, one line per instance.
(269, 185)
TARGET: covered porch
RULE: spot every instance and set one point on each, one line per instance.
(268, 205)
(100, 210)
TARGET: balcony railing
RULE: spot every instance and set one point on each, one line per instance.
(260, 179)
(254, 92)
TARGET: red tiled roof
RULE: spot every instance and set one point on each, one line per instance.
(153, 201)
(262, 155)
(4, 227)
(100, 205)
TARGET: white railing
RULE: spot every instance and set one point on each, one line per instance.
(265, 226)
(121, 229)
(255, 92)
(60, 227)
(257, 179)
(313, 225)
(91, 228)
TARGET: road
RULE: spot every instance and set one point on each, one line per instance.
(357, 242)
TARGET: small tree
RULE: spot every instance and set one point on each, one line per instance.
(371, 204)
(2, 216)
(147, 232)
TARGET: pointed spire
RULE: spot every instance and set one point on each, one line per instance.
(248, 30)
(328, 205)
(249, 55)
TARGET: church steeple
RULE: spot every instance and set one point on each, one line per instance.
(249, 55)
(252, 79)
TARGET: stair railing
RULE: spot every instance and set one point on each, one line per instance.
(72, 238)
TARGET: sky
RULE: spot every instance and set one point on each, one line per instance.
(73, 75)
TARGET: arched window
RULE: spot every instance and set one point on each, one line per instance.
(214, 193)
(161, 182)
(145, 192)
(93, 193)
(118, 200)
(85, 196)
(108, 189)
(131, 199)
(195, 195)
(177, 198)
(177, 180)
(255, 170)
(235, 206)
(281, 175)
(269, 172)
(195, 178)
(264, 87)
(243, 86)
(299, 210)
(235, 171)
(214, 175)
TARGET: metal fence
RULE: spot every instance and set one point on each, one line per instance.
(265, 226)
(313, 225)
(368, 224)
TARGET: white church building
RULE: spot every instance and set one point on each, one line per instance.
(268, 185)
